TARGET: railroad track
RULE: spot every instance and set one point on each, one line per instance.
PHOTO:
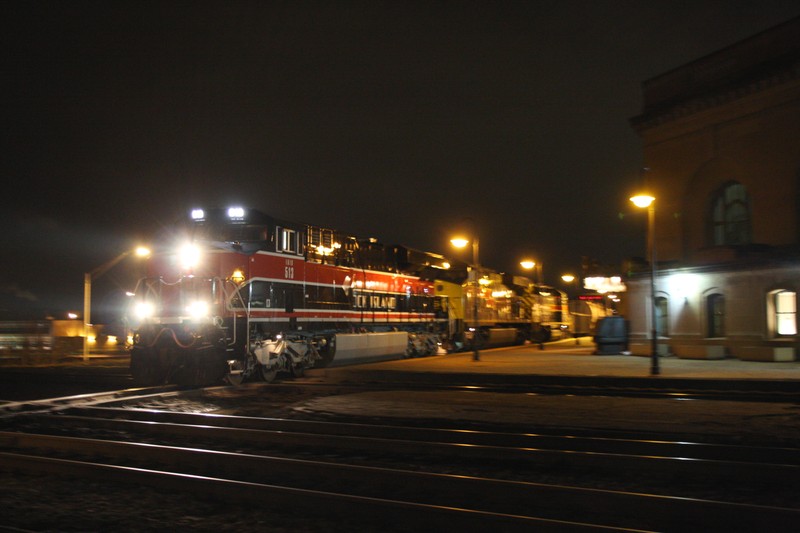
(396, 477)
(767, 391)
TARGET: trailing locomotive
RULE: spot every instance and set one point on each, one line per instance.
(237, 294)
(511, 310)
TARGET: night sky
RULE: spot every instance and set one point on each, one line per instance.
(395, 120)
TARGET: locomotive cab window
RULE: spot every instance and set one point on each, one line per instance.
(287, 240)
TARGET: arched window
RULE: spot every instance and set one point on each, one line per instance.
(662, 316)
(784, 305)
(730, 216)
(715, 315)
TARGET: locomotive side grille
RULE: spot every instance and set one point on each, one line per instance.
(320, 237)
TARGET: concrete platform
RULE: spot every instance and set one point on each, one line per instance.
(566, 359)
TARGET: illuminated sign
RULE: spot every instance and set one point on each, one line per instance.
(604, 285)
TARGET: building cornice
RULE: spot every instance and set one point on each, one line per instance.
(677, 110)
(754, 65)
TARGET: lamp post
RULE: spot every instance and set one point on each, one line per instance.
(529, 264)
(141, 251)
(460, 242)
(647, 201)
(572, 305)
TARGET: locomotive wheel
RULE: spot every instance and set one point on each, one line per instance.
(431, 348)
(298, 370)
(327, 353)
(268, 374)
(541, 335)
(235, 378)
(235, 374)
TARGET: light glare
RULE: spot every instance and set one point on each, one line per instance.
(235, 212)
(237, 276)
(143, 310)
(642, 200)
(197, 309)
(189, 256)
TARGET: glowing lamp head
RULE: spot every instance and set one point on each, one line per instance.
(198, 309)
(459, 242)
(568, 278)
(236, 213)
(642, 200)
(142, 251)
(189, 256)
(198, 214)
(527, 264)
(237, 276)
(143, 310)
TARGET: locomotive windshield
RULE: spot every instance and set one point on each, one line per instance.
(230, 232)
(232, 225)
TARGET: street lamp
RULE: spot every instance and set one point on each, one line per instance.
(646, 201)
(140, 251)
(529, 264)
(572, 306)
(571, 282)
(460, 242)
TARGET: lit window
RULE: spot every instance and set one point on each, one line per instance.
(785, 313)
(288, 240)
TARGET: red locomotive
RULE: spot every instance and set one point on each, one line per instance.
(237, 294)
(246, 295)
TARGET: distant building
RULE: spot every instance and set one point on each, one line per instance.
(721, 141)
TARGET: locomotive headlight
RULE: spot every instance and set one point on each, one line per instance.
(237, 276)
(197, 309)
(143, 310)
(189, 255)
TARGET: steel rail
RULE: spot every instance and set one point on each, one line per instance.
(752, 390)
(501, 497)
(787, 475)
(567, 440)
(11, 409)
(770, 391)
(368, 509)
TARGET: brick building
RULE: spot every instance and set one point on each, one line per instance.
(721, 142)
